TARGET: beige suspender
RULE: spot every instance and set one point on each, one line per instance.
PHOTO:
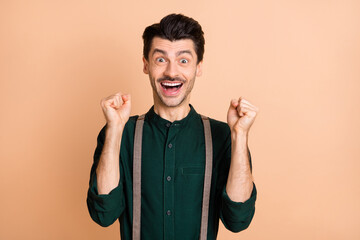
(137, 178)
(207, 178)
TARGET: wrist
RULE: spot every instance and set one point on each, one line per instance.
(239, 141)
(115, 126)
(239, 134)
(114, 129)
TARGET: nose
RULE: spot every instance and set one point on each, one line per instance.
(171, 70)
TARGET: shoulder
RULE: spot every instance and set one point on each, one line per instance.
(221, 136)
(130, 124)
(219, 127)
(220, 132)
(132, 121)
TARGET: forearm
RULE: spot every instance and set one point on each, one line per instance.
(108, 169)
(240, 182)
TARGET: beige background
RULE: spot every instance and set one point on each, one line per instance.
(298, 61)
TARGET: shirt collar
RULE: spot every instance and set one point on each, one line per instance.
(155, 118)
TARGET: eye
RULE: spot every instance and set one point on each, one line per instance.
(184, 60)
(160, 59)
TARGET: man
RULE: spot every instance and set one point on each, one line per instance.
(177, 197)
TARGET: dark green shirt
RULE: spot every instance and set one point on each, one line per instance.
(173, 166)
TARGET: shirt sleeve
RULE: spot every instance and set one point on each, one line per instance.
(104, 209)
(236, 216)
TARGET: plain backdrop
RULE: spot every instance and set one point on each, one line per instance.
(298, 61)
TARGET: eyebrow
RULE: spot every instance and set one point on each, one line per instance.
(184, 52)
(157, 50)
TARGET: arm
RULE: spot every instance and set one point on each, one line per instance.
(241, 116)
(239, 195)
(105, 199)
(116, 109)
(108, 169)
(240, 181)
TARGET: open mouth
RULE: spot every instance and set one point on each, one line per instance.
(171, 88)
(170, 85)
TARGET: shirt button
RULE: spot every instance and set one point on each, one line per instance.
(170, 145)
(168, 212)
(168, 178)
(168, 124)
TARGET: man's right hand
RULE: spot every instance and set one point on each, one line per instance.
(116, 109)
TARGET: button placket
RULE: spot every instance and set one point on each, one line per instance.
(169, 191)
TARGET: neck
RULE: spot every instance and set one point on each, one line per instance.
(172, 113)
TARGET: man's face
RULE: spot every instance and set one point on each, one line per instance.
(172, 69)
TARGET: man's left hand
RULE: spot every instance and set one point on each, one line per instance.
(241, 115)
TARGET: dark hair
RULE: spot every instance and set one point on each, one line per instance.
(175, 27)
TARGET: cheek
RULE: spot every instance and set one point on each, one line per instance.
(156, 70)
(191, 72)
(187, 70)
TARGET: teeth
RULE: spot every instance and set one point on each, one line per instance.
(171, 84)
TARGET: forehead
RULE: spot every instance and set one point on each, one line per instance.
(172, 46)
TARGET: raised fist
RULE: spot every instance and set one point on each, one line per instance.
(116, 109)
(241, 115)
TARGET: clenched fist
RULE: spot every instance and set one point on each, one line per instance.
(241, 115)
(116, 109)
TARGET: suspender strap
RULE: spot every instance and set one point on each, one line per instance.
(137, 178)
(207, 178)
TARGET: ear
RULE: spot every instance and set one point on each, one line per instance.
(146, 66)
(199, 68)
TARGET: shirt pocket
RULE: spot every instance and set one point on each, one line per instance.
(193, 171)
(190, 185)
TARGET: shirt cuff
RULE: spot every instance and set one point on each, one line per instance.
(105, 202)
(235, 211)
